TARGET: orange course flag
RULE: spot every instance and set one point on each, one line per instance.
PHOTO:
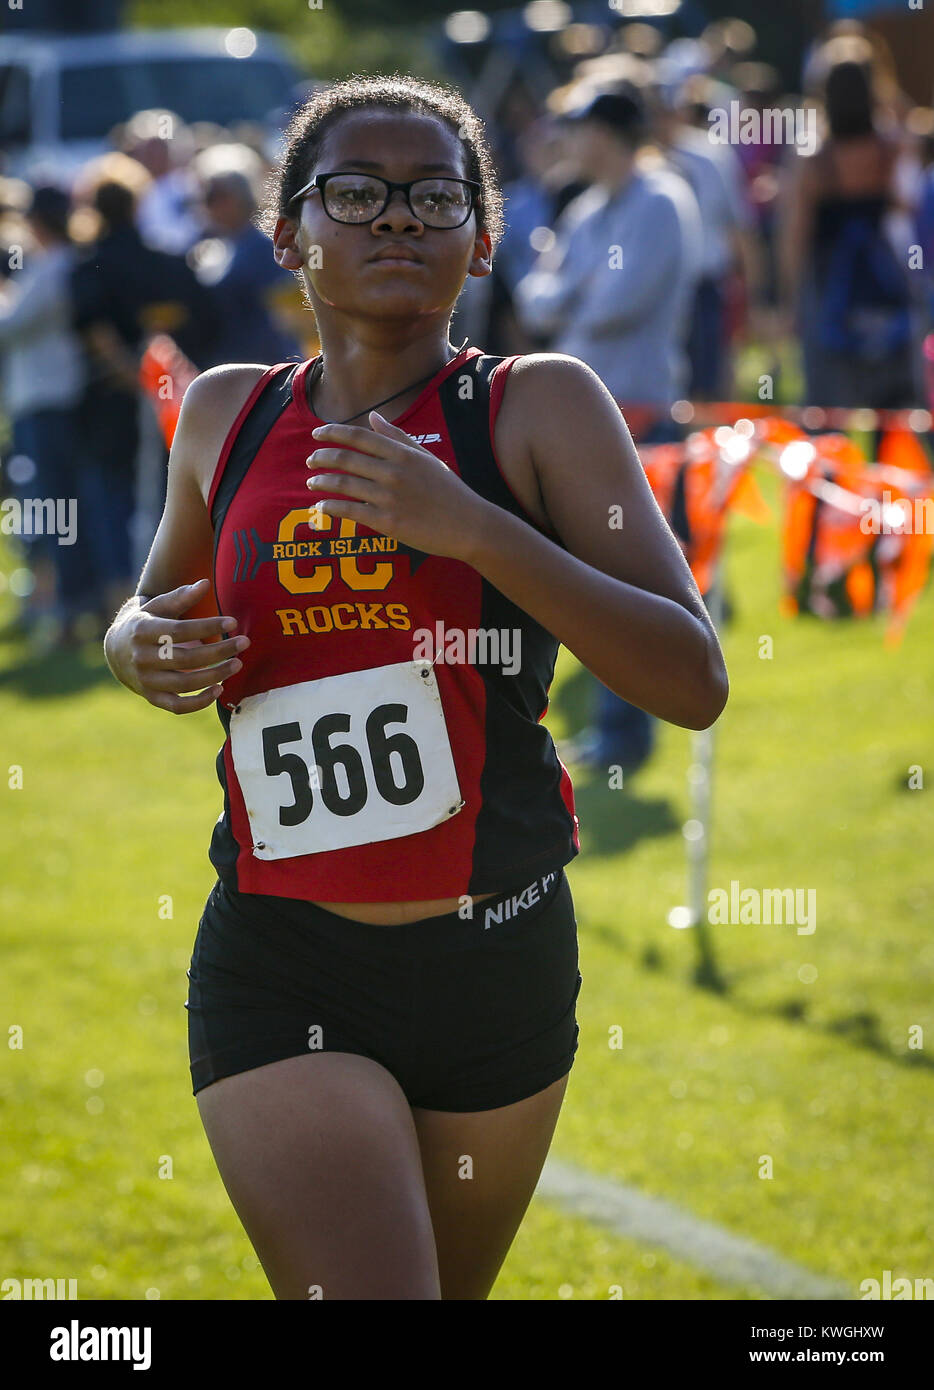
(748, 500)
(165, 374)
(901, 448)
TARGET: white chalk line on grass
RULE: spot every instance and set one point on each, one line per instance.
(730, 1258)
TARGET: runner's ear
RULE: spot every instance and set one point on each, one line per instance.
(285, 241)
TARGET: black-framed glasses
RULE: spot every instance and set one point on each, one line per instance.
(352, 197)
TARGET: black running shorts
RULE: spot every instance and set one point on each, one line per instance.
(467, 1013)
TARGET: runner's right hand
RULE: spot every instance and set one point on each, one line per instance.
(161, 656)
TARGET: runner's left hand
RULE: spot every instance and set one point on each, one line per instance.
(395, 487)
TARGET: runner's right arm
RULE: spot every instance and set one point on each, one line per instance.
(150, 647)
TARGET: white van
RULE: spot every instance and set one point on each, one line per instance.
(60, 96)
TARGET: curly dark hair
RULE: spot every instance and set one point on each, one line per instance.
(307, 129)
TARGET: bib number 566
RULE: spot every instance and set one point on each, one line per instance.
(356, 775)
(338, 767)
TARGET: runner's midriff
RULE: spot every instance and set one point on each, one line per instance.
(395, 914)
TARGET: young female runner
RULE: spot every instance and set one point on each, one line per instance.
(382, 990)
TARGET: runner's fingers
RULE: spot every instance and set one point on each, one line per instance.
(353, 460)
(178, 704)
(360, 489)
(174, 682)
(204, 654)
(183, 629)
(182, 657)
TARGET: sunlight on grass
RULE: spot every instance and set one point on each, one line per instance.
(106, 874)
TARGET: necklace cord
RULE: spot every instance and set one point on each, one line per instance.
(402, 392)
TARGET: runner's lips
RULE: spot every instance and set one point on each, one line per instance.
(397, 251)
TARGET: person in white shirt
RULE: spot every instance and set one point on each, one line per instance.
(615, 291)
(715, 176)
(615, 288)
(169, 215)
(42, 379)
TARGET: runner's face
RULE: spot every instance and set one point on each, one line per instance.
(339, 268)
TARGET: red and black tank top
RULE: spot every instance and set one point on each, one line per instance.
(383, 740)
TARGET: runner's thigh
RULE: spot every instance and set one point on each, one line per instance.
(481, 1170)
(320, 1158)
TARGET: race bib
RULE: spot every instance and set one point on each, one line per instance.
(344, 760)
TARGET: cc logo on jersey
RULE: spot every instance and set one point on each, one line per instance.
(345, 549)
(343, 552)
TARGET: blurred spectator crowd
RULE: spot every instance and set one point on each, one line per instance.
(672, 205)
(155, 237)
(696, 234)
(674, 218)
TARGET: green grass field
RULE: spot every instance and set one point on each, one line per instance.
(105, 876)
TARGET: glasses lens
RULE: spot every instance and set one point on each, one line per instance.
(354, 197)
(441, 202)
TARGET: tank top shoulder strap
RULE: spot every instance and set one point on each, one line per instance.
(475, 448)
(468, 396)
(269, 398)
(498, 385)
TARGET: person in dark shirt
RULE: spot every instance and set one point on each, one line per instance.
(253, 294)
(123, 292)
(137, 290)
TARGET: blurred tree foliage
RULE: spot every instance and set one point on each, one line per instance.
(340, 37)
(383, 35)
(282, 15)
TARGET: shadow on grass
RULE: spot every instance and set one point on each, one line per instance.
(706, 973)
(862, 1029)
(574, 700)
(615, 820)
(51, 674)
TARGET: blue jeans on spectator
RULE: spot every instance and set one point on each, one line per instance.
(707, 340)
(626, 733)
(109, 442)
(50, 439)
